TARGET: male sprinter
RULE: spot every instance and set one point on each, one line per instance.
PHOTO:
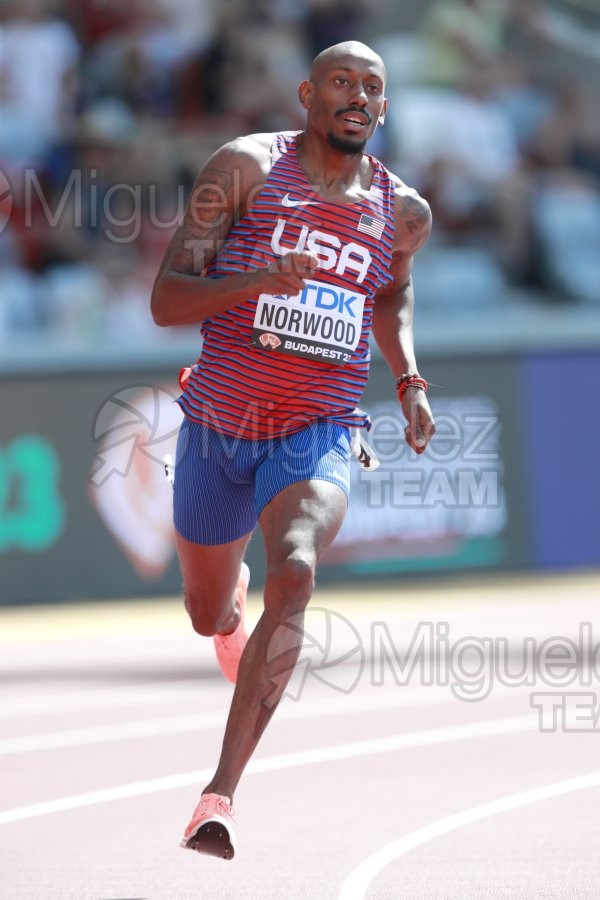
(293, 246)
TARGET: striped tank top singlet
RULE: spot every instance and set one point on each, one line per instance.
(273, 364)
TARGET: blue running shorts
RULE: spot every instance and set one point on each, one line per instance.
(222, 483)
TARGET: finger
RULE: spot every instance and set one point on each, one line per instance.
(410, 439)
(416, 431)
(292, 264)
(291, 285)
(306, 261)
(427, 425)
(306, 256)
(416, 438)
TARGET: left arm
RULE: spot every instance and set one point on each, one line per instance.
(393, 312)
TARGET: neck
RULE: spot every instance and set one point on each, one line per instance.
(325, 166)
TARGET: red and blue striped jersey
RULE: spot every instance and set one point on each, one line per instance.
(272, 365)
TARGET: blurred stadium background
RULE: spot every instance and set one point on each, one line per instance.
(107, 110)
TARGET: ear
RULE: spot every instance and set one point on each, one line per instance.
(382, 115)
(305, 93)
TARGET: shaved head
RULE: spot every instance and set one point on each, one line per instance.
(345, 97)
(333, 56)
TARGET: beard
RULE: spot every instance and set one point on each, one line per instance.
(346, 145)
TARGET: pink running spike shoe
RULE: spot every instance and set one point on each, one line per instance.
(230, 647)
(211, 830)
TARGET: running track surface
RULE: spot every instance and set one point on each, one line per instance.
(111, 720)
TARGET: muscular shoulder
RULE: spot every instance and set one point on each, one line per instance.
(234, 173)
(251, 152)
(412, 217)
(241, 167)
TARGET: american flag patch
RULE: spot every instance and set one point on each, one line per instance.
(371, 226)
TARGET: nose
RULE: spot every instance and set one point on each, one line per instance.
(360, 95)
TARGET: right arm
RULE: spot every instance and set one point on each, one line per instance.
(182, 294)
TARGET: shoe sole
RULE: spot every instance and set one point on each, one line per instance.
(213, 839)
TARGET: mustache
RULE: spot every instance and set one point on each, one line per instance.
(353, 110)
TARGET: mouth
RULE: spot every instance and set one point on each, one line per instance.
(354, 121)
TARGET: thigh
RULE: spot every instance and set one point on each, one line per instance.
(210, 573)
(209, 508)
(301, 522)
(319, 453)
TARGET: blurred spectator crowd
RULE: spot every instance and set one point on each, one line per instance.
(496, 120)
(108, 109)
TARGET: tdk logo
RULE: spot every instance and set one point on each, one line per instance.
(320, 296)
(353, 257)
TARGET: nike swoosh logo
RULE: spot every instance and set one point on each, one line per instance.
(287, 201)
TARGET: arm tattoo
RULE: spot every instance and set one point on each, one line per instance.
(209, 199)
(204, 226)
(416, 216)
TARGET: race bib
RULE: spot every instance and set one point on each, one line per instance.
(323, 322)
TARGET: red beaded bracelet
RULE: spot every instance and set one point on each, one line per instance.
(406, 381)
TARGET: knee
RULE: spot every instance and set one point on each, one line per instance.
(203, 619)
(290, 584)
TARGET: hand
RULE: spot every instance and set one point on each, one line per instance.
(287, 274)
(421, 427)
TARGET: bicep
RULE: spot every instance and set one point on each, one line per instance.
(412, 228)
(207, 220)
(413, 223)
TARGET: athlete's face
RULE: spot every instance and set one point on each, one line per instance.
(345, 101)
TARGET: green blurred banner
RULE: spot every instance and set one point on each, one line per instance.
(85, 510)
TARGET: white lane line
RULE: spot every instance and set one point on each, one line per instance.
(451, 733)
(154, 692)
(358, 881)
(364, 701)
(104, 734)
